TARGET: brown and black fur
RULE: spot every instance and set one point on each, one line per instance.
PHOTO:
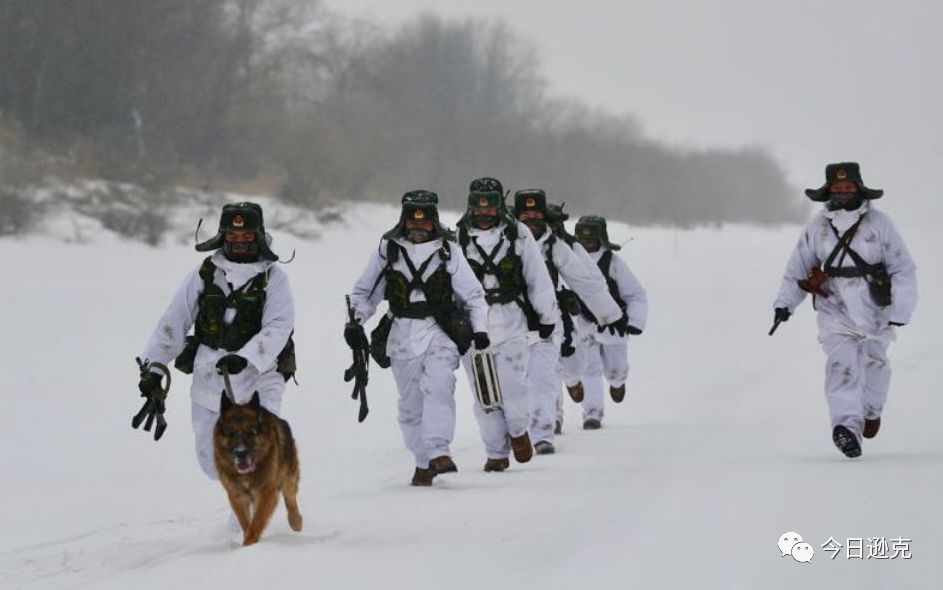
(251, 434)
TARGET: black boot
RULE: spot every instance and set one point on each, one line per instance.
(846, 441)
(592, 424)
(544, 447)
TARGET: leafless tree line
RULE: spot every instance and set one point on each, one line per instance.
(340, 109)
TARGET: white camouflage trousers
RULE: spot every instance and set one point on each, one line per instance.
(857, 377)
(603, 360)
(271, 386)
(511, 359)
(573, 367)
(543, 379)
(426, 406)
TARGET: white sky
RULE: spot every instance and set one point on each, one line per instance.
(812, 81)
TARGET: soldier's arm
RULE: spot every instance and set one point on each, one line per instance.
(169, 337)
(539, 284)
(468, 289)
(801, 262)
(587, 281)
(632, 292)
(903, 273)
(369, 289)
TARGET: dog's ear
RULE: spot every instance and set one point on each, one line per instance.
(255, 402)
(224, 402)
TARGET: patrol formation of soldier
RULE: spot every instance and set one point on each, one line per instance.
(550, 307)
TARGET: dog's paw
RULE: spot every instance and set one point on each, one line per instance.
(294, 521)
(250, 540)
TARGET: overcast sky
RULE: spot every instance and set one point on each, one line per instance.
(812, 81)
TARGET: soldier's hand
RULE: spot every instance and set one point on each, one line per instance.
(633, 330)
(148, 384)
(620, 326)
(781, 314)
(355, 337)
(545, 330)
(233, 363)
(481, 340)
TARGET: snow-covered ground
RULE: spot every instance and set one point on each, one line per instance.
(722, 445)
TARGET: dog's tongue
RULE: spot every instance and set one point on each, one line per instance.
(243, 466)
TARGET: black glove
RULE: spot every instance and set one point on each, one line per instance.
(621, 326)
(633, 330)
(782, 314)
(153, 408)
(481, 340)
(545, 330)
(233, 363)
(148, 384)
(355, 336)
(896, 324)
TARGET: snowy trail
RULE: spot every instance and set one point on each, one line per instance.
(721, 446)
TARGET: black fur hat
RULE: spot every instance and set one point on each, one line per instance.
(243, 216)
(419, 204)
(593, 227)
(838, 172)
(531, 199)
(487, 192)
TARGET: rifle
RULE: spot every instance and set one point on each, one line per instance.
(358, 371)
(775, 325)
(153, 408)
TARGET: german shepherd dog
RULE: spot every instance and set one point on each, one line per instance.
(256, 459)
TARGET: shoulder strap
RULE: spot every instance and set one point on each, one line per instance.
(844, 243)
(605, 263)
(487, 259)
(208, 270)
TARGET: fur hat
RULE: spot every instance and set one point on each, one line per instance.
(240, 217)
(419, 204)
(593, 227)
(531, 199)
(840, 172)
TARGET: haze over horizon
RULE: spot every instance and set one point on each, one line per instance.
(811, 82)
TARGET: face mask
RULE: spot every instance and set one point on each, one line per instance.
(241, 251)
(537, 226)
(844, 202)
(484, 221)
(590, 245)
(418, 236)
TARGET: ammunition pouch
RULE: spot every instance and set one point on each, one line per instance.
(285, 364)
(569, 302)
(880, 285)
(457, 326)
(184, 360)
(378, 340)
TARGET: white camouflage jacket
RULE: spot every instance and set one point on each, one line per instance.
(507, 320)
(278, 318)
(849, 309)
(411, 337)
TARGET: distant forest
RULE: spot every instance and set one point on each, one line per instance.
(288, 97)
